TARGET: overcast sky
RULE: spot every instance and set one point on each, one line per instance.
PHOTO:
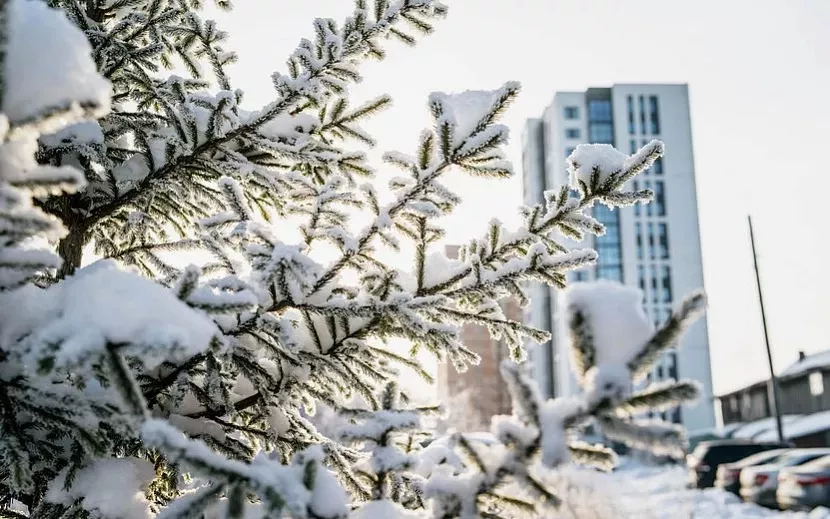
(758, 76)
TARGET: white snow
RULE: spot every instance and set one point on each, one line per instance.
(389, 458)
(20, 312)
(552, 416)
(615, 315)
(48, 63)
(218, 510)
(328, 497)
(379, 422)
(653, 492)
(814, 362)
(103, 304)
(383, 510)
(130, 171)
(438, 268)
(437, 453)
(445, 488)
(278, 421)
(608, 380)
(799, 427)
(751, 430)
(78, 133)
(725, 431)
(464, 110)
(262, 473)
(112, 487)
(606, 159)
(196, 426)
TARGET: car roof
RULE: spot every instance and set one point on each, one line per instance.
(763, 455)
(795, 454)
(807, 452)
(818, 461)
(729, 443)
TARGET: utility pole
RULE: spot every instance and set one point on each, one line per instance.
(773, 381)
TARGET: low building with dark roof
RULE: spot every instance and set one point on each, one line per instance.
(804, 397)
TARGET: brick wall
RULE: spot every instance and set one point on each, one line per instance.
(472, 398)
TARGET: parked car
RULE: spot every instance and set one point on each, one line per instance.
(728, 475)
(760, 483)
(704, 461)
(806, 486)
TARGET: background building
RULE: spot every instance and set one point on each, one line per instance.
(805, 405)
(655, 247)
(476, 395)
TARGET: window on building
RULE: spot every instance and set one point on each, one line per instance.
(572, 133)
(660, 372)
(609, 247)
(673, 365)
(571, 112)
(599, 110)
(733, 403)
(641, 275)
(612, 272)
(649, 207)
(654, 290)
(638, 231)
(816, 383)
(612, 254)
(676, 416)
(580, 275)
(568, 151)
(612, 233)
(653, 115)
(632, 146)
(657, 167)
(651, 254)
(601, 133)
(665, 283)
(631, 129)
(642, 115)
(746, 404)
(659, 198)
(663, 240)
(637, 207)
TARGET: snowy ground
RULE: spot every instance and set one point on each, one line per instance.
(658, 493)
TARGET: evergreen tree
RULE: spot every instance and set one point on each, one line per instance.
(392, 435)
(136, 387)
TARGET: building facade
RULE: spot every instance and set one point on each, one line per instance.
(804, 397)
(655, 247)
(801, 391)
(475, 396)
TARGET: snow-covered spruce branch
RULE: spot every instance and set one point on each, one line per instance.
(606, 319)
(513, 272)
(236, 353)
(318, 70)
(599, 179)
(479, 138)
(303, 489)
(455, 141)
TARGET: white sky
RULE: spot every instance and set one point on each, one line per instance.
(758, 72)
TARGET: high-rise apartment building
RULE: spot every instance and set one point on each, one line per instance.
(655, 247)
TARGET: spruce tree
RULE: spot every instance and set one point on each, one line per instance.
(134, 386)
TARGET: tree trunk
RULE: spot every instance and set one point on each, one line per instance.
(71, 249)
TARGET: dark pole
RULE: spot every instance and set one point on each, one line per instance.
(773, 382)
